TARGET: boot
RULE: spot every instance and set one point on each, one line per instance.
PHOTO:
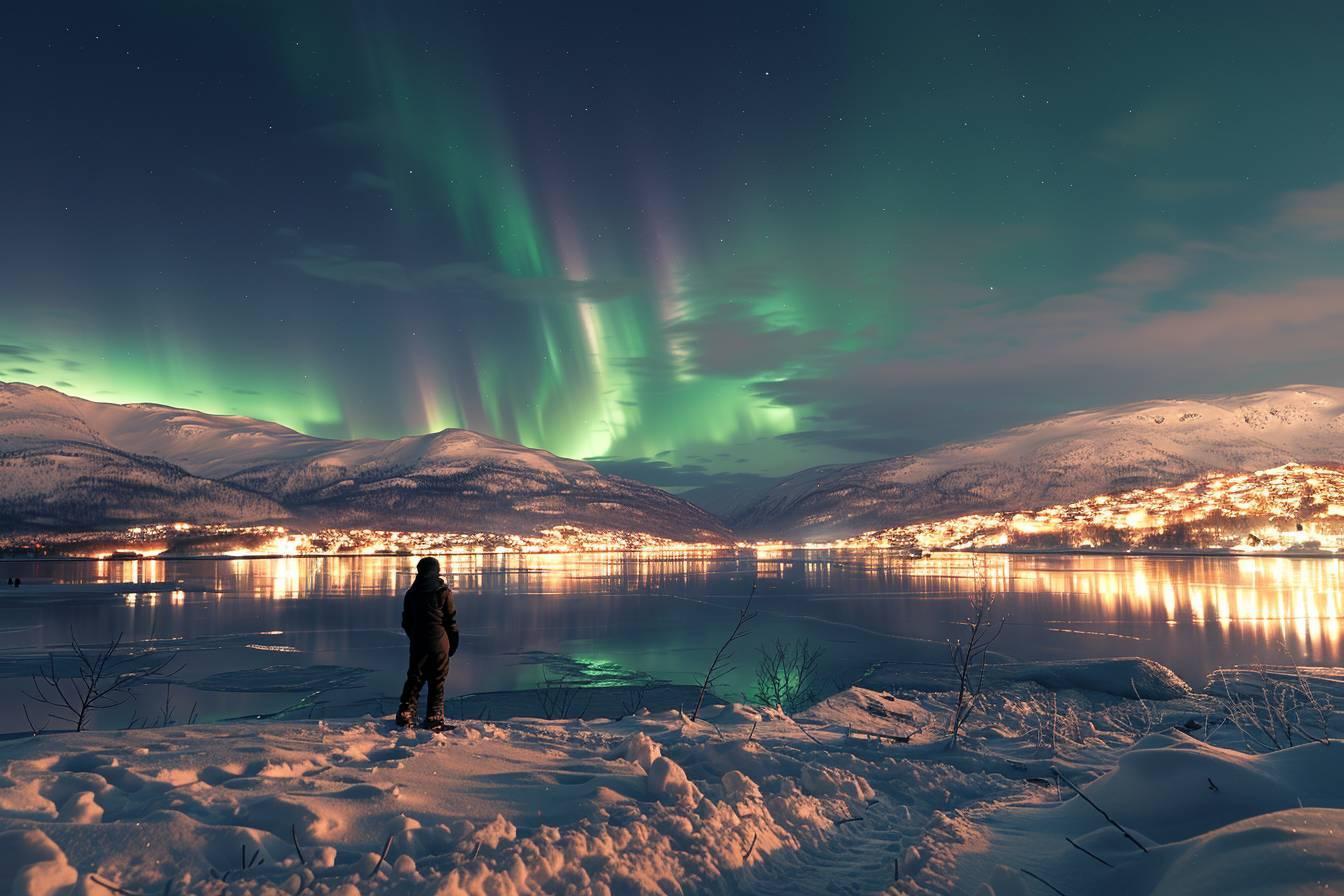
(405, 716)
(435, 722)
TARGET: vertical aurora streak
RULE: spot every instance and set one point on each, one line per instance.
(698, 242)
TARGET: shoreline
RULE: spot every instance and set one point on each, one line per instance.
(654, 553)
(861, 792)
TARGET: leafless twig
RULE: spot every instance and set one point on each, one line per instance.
(970, 653)
(1089, 852)
(294, 835)
(719, 666)
(804, 730)
(102, 680)
(31, 725)
(382, 858)
(1115, 824)
(1041, 880)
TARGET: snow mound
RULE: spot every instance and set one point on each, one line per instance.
(1294, 851)
(37, 866)
(1132, 676)
(1212, 820)
(860, 707)
(1118, 676)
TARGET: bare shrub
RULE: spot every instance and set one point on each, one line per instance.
(1137, 719)
(101, 680)
(559, 697)
(970, 652)
(1274, 707)
(633, 697)
(721, 665)
(167, 716)
(786, 675)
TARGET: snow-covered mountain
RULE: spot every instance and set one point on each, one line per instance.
(1063, 459)
(66, 462)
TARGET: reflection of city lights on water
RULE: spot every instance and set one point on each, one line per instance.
(1256, 602)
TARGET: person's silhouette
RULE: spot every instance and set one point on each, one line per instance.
(430, 621)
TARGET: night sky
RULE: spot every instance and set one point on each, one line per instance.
(699, 242)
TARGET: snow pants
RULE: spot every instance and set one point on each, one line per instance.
(429, 664)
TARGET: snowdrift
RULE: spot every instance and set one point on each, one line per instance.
(1214, 821)
(859, 794)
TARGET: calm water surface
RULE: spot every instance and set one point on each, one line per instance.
(321, 636)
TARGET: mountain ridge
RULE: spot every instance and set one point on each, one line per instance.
(61, 453)
(68, 462)
(1064, 458)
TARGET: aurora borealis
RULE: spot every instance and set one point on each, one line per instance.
(697, 243)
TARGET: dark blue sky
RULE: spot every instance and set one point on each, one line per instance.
(702, 242)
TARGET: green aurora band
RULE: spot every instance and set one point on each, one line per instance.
(724, 239)
(596, 357)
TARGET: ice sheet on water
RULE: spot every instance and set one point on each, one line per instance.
(66, 664)
(283, 679)
(134, 654)
(581, 671)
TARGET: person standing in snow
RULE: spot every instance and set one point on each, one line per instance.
(430, 621)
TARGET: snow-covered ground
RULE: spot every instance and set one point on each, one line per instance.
(743, 801)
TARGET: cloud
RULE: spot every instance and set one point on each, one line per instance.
(1007, 368)
(1315, 213)
(327, 264)
(1173, 189)
(26, 354)
(367, 180)
(1155, 125)
(678, 478)
(732, 341)
(882, 444)
(1149, 272)
(968, 370)
(344, 264)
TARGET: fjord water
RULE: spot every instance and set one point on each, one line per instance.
(320, 636)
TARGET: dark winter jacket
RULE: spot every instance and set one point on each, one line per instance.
(428, 615)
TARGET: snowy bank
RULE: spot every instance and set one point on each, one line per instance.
(1130, 676)
(858, 794)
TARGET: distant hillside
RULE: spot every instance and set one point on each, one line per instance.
(1295, 507)
(728, 501)
(1060, 460)
(71, 463)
